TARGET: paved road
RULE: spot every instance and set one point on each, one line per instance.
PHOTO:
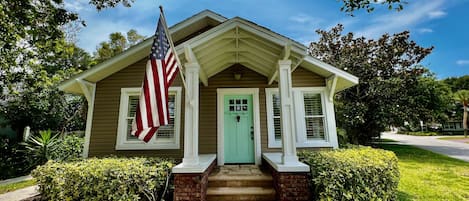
(452, 149)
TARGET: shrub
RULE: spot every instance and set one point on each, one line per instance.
(69, 148)
(103, 179)
(353, 174)
(13, 161)
(419, 133)
(41, 148)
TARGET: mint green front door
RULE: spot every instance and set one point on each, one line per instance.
(238, 129)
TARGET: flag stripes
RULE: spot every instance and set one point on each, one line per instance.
(161, 69)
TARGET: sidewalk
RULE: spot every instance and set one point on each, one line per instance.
(452, 149)
(20, 194)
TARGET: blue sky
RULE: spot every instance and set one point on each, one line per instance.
(439, 23)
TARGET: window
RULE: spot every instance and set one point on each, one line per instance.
(310, 117)
(167, 136)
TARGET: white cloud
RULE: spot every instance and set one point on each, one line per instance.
(76, 5)
(304, 18)
(436, 14)
(399, 21)
(462, 62)
(425, 30)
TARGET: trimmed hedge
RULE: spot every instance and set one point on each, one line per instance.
(103, 179)
(353, 174)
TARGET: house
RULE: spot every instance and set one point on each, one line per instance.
(252, 95)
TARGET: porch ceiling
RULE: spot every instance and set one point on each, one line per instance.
(240, 46)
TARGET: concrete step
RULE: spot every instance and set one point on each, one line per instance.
(263, 180)
(240, 194)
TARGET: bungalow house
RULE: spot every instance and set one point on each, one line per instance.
(253, 96)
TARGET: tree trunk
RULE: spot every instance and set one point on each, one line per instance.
(464, 121)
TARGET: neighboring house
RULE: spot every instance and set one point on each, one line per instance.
(233, 110)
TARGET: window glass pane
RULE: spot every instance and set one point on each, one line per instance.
(276, 113)
(166, 132)
(276, 104)
(277, 131)
(133, 102)
(314, 128)
(313, 105)
(129, 128)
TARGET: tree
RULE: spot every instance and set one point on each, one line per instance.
(116, 44)
(462, 96)
(458, 83)
(349, 6)
(35, 57)
(353, 5)
(388, 73)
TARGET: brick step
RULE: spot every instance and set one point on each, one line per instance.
(263, 180)
(240, 194)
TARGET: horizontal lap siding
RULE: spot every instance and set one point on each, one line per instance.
(106, 109)
(106, 114)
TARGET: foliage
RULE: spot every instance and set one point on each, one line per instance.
(116, 44)
(352, 5)
(35, 58)
(15, 186)
(389, 79)
(349, 6)
(353, 174)
(462, 97)
(41, 148)
(425, 175)
(13, 161)
(103, 179)
(418, 133)
(69, 148)
(457, 83)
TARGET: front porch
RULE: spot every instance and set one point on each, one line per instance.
(241, 182)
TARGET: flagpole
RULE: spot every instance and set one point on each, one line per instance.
(168, 35)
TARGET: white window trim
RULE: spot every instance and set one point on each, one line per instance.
(300, 124)
(121, 140)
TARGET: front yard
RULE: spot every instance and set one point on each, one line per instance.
(461, 139)
(429, 176)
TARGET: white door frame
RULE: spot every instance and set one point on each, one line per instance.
(221, 92)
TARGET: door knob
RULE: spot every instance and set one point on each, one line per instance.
(238, 118)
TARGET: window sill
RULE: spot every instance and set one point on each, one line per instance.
(309, 144)
(143, 146)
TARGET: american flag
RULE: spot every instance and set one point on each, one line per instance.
(161, 69)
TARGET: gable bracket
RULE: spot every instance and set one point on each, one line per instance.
(331, 83)
(283, 56)
(88, 89)
(191, 58)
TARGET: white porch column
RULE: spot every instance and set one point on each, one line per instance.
(191, 117)
(89, 90)
(286, 113)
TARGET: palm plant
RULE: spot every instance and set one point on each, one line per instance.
(462, 96)
(42, 147)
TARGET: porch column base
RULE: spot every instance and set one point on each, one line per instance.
(191, 182)
(291, 182)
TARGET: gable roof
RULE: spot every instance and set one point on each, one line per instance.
(217, 43)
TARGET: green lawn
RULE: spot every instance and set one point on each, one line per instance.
(429, 176)
(14, 186)
(459, 137)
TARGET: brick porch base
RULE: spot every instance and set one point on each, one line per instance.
(192, 186)
(290, 186)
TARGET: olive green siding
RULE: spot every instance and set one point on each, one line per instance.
(106, 113)
(107, 100)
